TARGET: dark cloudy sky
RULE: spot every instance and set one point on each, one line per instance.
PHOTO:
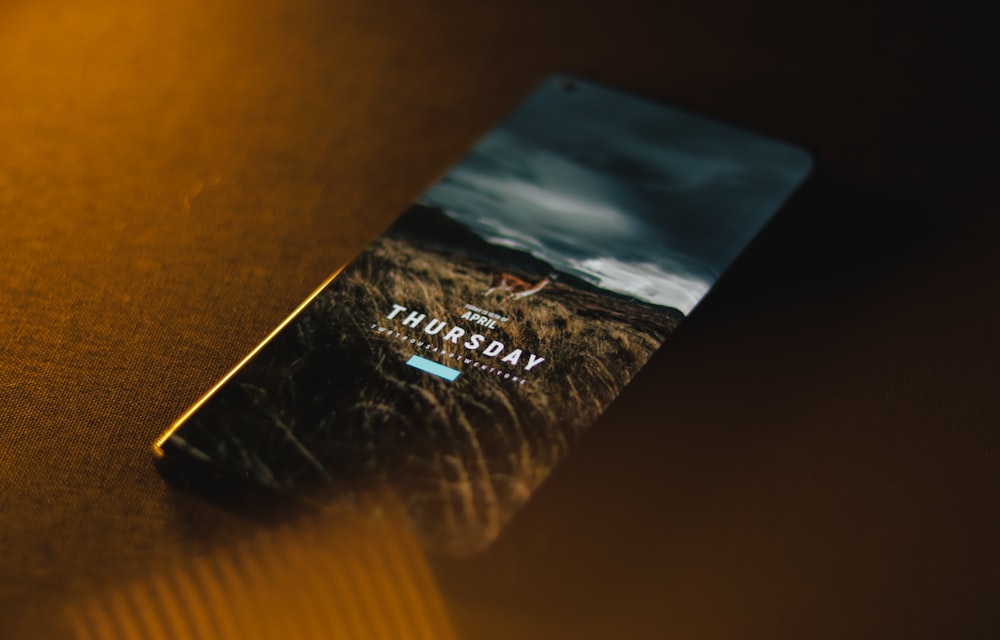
(630, 195)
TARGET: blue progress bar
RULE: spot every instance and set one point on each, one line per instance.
(433, 368)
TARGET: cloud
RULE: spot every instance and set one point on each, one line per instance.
(645, 281)
(649, 201)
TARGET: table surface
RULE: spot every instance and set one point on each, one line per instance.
(814, 453)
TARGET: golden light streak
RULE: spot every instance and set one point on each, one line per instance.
(158, 445)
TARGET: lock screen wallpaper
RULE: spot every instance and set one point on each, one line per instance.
(459, 356)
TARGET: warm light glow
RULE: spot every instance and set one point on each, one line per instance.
(360, 576)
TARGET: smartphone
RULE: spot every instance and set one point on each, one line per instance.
(457, 358)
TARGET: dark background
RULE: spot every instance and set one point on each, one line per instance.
(813, 454)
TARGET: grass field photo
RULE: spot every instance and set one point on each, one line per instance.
(346, 410)
(460, 355)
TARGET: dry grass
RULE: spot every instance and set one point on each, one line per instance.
(492, 441)
(463, 455)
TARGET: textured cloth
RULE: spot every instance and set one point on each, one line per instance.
(814, 452)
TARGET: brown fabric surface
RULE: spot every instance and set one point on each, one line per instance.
(815, 452)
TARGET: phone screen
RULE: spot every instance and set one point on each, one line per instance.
(458, 357)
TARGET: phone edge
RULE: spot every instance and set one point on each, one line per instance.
(157, 447)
